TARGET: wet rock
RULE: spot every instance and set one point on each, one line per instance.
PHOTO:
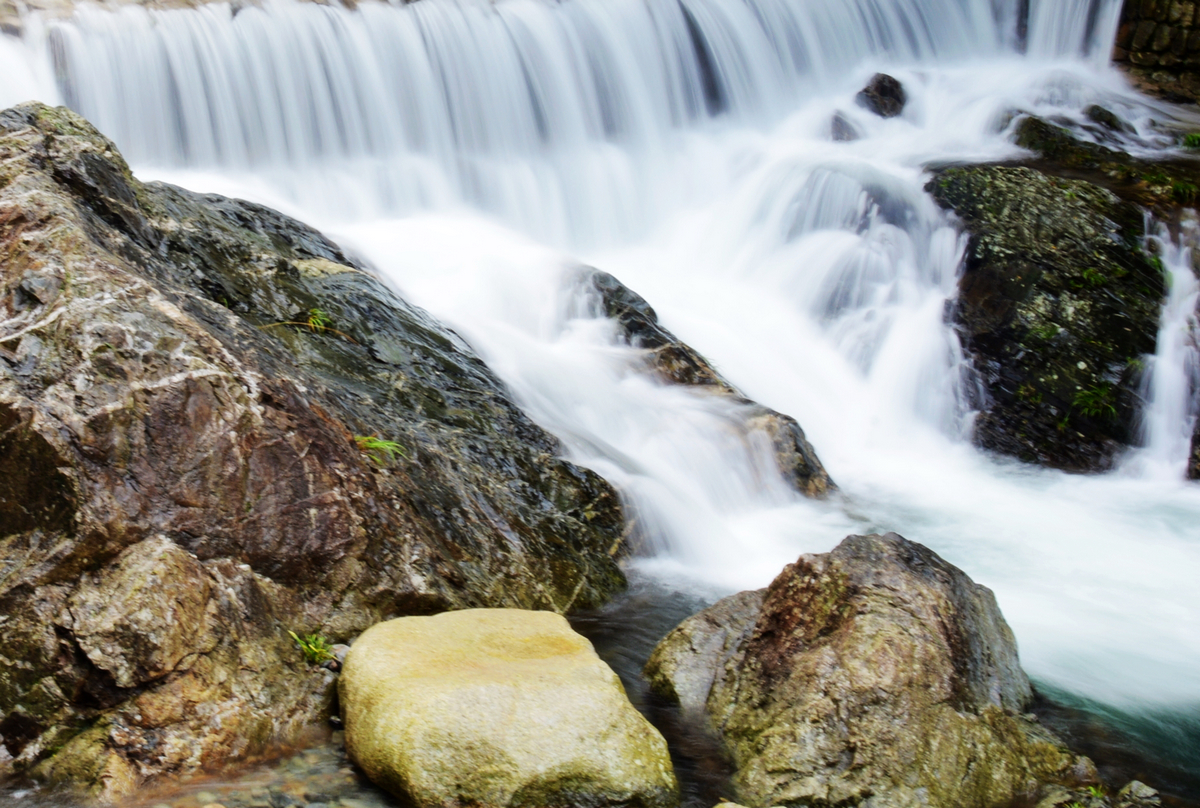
(1137, 794)
(1058, 307)
(876, 674)
(677, 363)
(1193, 468)
(841, 130)
(497, 707)
(883, 95)
(185, 385)
(1107, 118)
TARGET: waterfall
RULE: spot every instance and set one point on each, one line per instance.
(477, 153)
(1171, 385)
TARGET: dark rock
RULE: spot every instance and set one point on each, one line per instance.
(883, 95)
(875, 674)
(1057, 306)
(678, 363)
(184, 383)
(1106, 118)
(842, 130)
(1193, 469)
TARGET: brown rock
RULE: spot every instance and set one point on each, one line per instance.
(1162, 38)
(180, 481)
(1143, 35)
(678, 363)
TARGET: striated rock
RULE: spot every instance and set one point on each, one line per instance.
(497, 707)
(883, 95)
(187, 386)
(1058, 305)
(677, 363)
(876, 674)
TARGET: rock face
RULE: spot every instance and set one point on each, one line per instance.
(677, 363)
(185, 382)
(497, 707)
(874, 675)
(883, 95)
(1057, 306)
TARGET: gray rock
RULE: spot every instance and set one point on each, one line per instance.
(876, 674)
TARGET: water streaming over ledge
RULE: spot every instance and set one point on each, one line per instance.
(478, 153)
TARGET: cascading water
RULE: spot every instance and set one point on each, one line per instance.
(478, 153)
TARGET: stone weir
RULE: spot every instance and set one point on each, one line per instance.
(1159, 42)
(215, 429)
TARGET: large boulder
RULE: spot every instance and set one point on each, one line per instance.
(1058, 307)
(874, 675)
(215, 427)
(676, 362)
(497, 707)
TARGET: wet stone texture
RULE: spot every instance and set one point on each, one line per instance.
(1058, 308)
(185, 384)
(676, 362)
(876, 675)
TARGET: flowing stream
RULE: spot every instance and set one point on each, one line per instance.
(478, 153)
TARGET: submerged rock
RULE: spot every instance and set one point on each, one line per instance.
(215, 427)
(876, 674)
(677, 363)
(883, 95)
(841, 130)
(497, 707)
(1058, 307)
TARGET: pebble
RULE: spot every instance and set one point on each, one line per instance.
(319, 777)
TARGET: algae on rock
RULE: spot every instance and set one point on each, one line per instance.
(1058, 306)
(179, 479)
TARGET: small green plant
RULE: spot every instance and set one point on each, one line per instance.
(1184, 191)
(1044, 332)
(1097, 791)
(317, 321)
(1097, 402)
(1191, 140)
(1094, 277)
(316, 649)
(1027, 392)
(379, 450)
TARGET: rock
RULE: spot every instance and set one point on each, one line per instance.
(677, 363)
(883, 95)
(841, 130)
(1193, 468)
(184, 381)
(497, 707)
(1107, 118)
(1058, 305)
(1137, 794)
(874, 674)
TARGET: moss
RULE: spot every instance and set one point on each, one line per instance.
(1057, 296)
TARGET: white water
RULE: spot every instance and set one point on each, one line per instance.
(477, 153)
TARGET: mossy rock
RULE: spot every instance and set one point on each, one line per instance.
(1058, 306)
